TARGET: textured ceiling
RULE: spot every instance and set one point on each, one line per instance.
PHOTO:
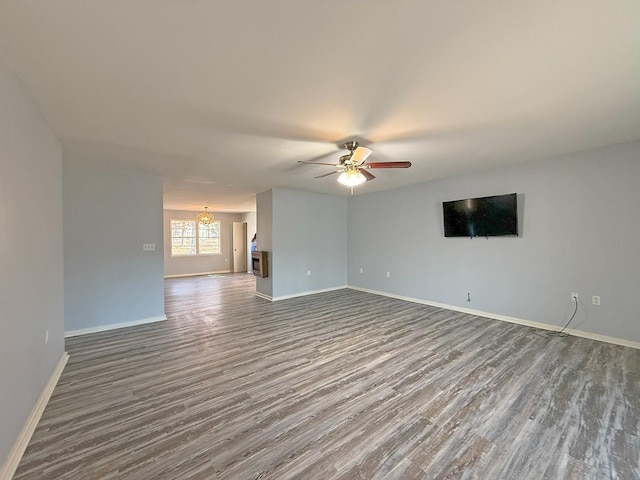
(224, 97)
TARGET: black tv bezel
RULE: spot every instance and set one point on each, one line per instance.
(448, 233)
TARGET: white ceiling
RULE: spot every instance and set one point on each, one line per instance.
(223, 97)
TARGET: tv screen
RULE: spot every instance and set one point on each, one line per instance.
(481, 217)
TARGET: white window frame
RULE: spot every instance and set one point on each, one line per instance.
(196, 238)
(171, 230)
(219, 252)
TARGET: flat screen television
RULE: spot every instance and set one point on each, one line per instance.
(494, 216)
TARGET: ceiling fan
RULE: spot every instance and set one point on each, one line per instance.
(352, 166)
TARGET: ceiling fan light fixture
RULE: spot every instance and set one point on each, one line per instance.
(351, 178)
(205, 218)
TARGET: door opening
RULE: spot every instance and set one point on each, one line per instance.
(239, 247)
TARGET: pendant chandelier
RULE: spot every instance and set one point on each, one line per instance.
(205, 218)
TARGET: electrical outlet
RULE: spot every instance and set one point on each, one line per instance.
(308, 273)
(388, 274)
(362, 270)
(595, 300)
(46, 337)
(148, 247)
(574, 297)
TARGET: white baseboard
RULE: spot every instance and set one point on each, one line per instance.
(603, 338)
(505, 318)
(15, 455)
(262, 295)
(300, 294)
(113, 326)
(309, 292)
(200, 274)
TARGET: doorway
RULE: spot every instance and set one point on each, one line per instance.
(239, 247)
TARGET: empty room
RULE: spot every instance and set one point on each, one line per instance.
(319, 240)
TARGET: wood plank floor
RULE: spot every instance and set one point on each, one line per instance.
(340, 385)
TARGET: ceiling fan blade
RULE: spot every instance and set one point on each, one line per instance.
(360, 154)
(326, 174)
(318, 163)
(387, 165)
(367, 175)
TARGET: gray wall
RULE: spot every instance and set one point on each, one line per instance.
(580, 233)
(198, 265)
(31, 266)
(309, 234)
(108, 215)
(264, 222)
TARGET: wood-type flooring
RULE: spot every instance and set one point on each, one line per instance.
(338, 385)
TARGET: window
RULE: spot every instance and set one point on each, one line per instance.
(209, 238)
(183, 237)
(189, 238)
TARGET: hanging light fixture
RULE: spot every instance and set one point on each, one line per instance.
(351, 177)
(205, 218)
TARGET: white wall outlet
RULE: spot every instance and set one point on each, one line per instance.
(595, 300)
(361, 270)
(388, 274)
(149, 247)
(308, 273)
(574, 297)
(46, 337)
(226, 260)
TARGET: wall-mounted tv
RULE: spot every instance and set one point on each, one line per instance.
(481, 217)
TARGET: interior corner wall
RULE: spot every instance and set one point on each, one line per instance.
(264, 221)
(309, 242)
(200, 264)
(31, 258)
(580, 233)
(108, 215)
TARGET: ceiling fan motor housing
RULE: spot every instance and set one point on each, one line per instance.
(345, 158)
(351, 146)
